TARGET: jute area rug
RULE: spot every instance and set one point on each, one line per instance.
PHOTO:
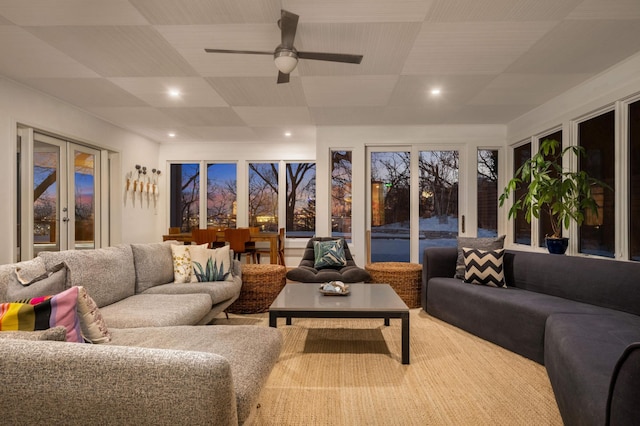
(348, 372)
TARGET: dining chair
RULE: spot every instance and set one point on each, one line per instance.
(208, 236)
(267, 251)
(240, 241)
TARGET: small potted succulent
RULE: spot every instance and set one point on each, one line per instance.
(551, 190)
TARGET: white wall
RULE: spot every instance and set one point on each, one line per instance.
(19, 104)
(611, 90)
(617, 83)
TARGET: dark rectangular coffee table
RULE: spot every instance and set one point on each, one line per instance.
(302, 300)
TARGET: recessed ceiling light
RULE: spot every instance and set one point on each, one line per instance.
(172, 135)
(174, 93)
(435, 91)
(287, 134)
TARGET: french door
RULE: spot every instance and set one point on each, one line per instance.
(413, 195)
(61, 210)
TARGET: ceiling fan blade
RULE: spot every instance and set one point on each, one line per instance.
(282, 77)
(288, 25)
(333, 57)
(249, 52)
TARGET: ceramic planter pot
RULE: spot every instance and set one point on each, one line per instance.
(557, 245)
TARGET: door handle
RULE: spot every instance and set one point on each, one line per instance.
(65, 219)
(463, 224)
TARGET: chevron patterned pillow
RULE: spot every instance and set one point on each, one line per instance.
(483, 267)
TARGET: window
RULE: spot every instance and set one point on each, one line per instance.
(301, 200)
(221, 195)
(634, 181)
(390, 206)
(597, 136)
(438, 207)
(263, 196)
(521, 229)
(487, 193)
(341, 194)
(185, 196)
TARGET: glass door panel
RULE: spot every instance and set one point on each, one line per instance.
(46, 197)
(390, 206)
(83, 203)
(438, 207)
(65, 187)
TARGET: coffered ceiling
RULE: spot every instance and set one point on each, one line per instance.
(493, 60)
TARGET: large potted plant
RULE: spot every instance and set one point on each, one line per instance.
(552, 190)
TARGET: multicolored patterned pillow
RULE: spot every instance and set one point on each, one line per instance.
(329, 254)
(41, 313)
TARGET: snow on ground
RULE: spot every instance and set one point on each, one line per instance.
(390, 243)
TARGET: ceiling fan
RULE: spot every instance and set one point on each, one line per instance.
(286, 56)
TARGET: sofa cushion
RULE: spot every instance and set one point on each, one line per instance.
(153, 263)
(41, 313)
(581, 352)
(252, 351)
(492, 243)
(219, 291)
(108, 273)
(58, 334)
(348, 274)
(484, 267)
(585, 279)
(94, 328)
(329, 254)
(510, 317)
(49, 283)
(157, 310)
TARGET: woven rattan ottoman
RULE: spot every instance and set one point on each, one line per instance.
(404, 278)
(260, 286)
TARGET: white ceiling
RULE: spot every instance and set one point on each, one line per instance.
(493, 60)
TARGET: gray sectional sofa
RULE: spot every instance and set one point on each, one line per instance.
(163, 365)
(579, 316)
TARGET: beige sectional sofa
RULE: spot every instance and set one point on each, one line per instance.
(163, 365)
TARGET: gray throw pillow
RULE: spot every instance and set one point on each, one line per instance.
(154, 265)
(29, 271)
(491, 243)
(52, 282)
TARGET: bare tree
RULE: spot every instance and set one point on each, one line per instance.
(298, 184)
(263, 193)
(393, 170)
(439, 178)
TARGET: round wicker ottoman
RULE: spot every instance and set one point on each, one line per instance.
(404, 278)
(260, 286)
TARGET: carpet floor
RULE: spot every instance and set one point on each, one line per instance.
(349, 372)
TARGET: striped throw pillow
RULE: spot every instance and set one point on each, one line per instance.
(42, 313)
(484, 267)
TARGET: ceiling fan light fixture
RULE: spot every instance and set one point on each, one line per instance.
(286, 60)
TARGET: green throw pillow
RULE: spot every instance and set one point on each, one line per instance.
(329, 254)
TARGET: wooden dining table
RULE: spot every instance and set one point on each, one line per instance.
(270, 237)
